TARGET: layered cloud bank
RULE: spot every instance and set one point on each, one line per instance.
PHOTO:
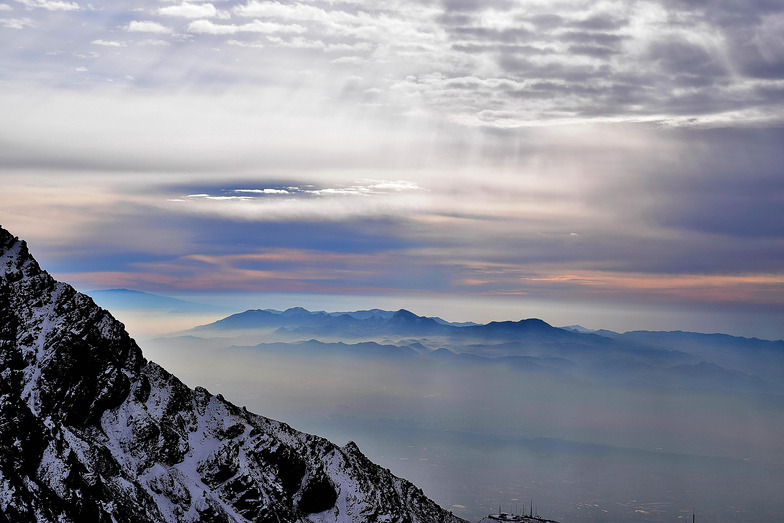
(499, 64)
(624, 152)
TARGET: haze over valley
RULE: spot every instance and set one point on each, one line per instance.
(593, 425)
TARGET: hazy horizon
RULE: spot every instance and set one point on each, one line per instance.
(617, 158)
(584, 446)
(614, 164)
(614, 317)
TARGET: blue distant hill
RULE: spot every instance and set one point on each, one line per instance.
(648, 359)
(378, 322)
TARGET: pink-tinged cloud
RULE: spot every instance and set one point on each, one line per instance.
(758, 289)
(274, 270)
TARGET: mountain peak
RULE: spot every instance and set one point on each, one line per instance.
(14, 255)
(295, 311)
(536, 323)
(77, 358)
(403, 313)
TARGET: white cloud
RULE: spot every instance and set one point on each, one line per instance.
(16, 23)
(108, 43)
(187, 10)
(256, 26)
(277, 10)
(349, 60)
(208, 197)
(360, 188)
(296, 43)
(263, 191)
(396, 185)
(51, 5)
(154, 43)
(6, 7)
(395, 26)
(330, 204)
(252, 45)
(146, 26)
(357, 47)
(368, 188)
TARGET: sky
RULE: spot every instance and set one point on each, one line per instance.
(616, 164)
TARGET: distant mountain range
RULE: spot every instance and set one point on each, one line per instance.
(376, 322)
(656, 358)
(644, 358)
(352, 324)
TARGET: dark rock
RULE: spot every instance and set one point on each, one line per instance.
(317, 495)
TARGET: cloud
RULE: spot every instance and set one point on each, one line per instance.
(263, 191)
(336, 20)
(393, 26)
(369, 199)
(151, 42)
(661, 61)
(256, 26)
(688, 63)
(682, 47)
(51, 5)
(108, 43)
(17, 23)
(546, 148)
(298, 11)
(600, 22)
(188, 10)
(147, 26)
(733, 189)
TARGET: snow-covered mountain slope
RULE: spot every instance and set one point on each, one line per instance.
(91, 431)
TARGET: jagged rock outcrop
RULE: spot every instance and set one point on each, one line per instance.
(91, 431)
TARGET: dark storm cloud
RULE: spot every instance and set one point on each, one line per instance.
(546, 21)
(727, 12)
(687, 254)
(734, 188)
(627, 253)
(754, 63)
(600, 22)
(683, 58)
(476, 5)
(687, 59)
(743, 214)
(591, 38)
(753, 31)
(525, 50)
(524, 68)
(242, 236)
(505, 36)
(596, 51)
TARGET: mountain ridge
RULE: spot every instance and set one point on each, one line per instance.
(92, 431)
(298, 320)
(641, 359)
(247, 320)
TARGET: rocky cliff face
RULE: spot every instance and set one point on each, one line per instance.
(91, 431)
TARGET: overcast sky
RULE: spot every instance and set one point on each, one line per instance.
(544, 155)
